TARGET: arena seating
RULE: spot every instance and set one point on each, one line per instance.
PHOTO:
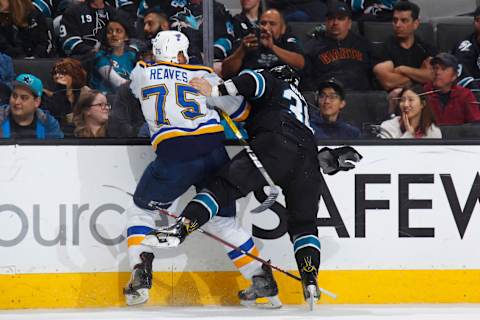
(450, 30)
(362, 107)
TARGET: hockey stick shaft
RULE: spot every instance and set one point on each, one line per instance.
(222, 241)
(273, 189)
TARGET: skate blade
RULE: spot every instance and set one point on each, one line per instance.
(263, 303)
(312, 296)
(166, 242)
(140, 297)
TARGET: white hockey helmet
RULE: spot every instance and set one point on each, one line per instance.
(167, 44)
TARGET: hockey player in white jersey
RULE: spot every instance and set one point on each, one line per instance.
(188, 139)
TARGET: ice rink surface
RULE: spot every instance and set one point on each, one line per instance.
(328, 312)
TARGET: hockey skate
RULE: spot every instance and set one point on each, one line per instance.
(263, 286)
(311, 291)
(170, 236)
(140, 282)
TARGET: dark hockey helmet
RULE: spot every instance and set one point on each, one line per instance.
(286, 73)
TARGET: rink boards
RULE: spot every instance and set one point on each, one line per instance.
(401, 228)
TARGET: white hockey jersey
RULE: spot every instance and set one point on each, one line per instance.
(175, 110)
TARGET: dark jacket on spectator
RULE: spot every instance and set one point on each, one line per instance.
(46, 127)
(31, 41)
(349, 61)
(468, 54)
(462, 107)
(264, 58)
(332, 130)
(126, 117)
(60, 107)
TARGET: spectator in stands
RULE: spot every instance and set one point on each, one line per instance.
(83, 28)
(372, 10)
(69, 77)
(23, 118)
(416, 121)
(404, 58)
(90, 114)
(451, 103)
(247, 21)
(187, 17)
(300, 10)
(273, 46)
(468, 50)
(23, 30)
(116, 60)
(7, 76)
(325, 120)
(154, 21)
(338, 52)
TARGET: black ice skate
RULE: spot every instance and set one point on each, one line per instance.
(170, 236)
(311, 291)
(263, 286)
(140, 282)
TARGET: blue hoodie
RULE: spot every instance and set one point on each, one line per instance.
(47, 127)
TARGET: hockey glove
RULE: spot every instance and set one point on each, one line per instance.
(338, 159)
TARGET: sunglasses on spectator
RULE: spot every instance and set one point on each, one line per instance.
(102, 105)
(60, 71)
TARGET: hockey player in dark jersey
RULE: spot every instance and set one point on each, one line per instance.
(281, 137)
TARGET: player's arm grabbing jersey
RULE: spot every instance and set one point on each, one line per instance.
(173, 109)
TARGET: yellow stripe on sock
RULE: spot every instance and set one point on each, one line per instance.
(245, 259)
(135, 240)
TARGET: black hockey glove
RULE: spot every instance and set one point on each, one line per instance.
(338, 159)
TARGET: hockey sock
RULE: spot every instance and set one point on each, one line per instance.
(200, 210)
(307, 253)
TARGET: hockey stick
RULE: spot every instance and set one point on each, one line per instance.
(273, 192)
(226, 243)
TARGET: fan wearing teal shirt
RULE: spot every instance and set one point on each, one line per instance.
(115, 61)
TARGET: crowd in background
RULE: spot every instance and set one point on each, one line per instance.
(96, 44)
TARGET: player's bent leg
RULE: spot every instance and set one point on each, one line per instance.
(198, 211)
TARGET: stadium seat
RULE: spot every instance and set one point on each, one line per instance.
(378, 32)
(465, 131)
(38, 67)
(364, 108)
(451, 30)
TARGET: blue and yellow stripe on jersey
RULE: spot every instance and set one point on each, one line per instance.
(242, 113)
(166, 133)
(144, 64)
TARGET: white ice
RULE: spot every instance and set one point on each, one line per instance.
(324, 312)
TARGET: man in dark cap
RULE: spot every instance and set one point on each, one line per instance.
(338, 52)
(325, 118)
(451, 103)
